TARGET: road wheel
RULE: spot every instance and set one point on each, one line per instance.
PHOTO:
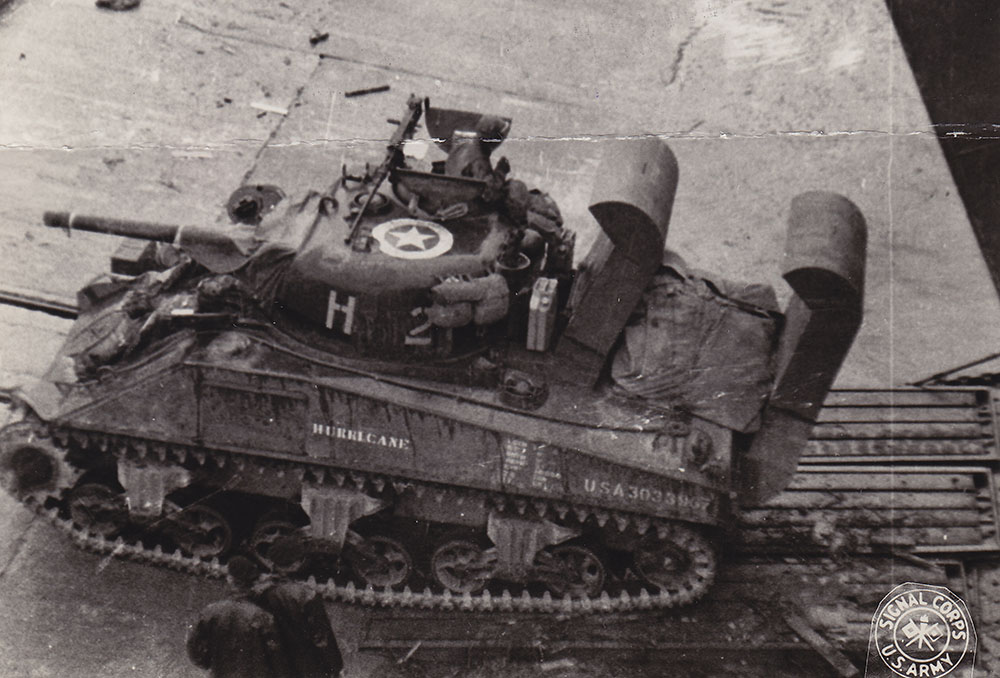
(461, 566)
(572, 570)
(264, 536)
(201, 531)
(381, 562)
(99, 509)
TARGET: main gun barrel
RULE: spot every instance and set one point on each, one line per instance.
(145, 230)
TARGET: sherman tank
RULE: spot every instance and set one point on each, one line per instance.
(404, 381)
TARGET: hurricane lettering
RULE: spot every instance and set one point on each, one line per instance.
(360, 436)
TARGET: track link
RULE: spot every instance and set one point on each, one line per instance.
(133, 448)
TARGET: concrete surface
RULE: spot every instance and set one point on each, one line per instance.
(150, 114)
(761, 100)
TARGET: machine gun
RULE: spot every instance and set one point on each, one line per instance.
(394, 157)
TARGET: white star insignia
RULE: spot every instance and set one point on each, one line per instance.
(412, 236)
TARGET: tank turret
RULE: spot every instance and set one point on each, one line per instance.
(405, 374)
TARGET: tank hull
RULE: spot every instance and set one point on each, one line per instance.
(196, 434)
(207, 391)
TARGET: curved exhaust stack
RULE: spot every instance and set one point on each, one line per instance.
(632, 202)
(825, 266)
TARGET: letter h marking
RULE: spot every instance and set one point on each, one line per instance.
(333, 308)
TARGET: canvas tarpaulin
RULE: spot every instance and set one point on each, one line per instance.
(701, 344)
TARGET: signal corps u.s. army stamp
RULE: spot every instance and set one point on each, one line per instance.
(922, 631)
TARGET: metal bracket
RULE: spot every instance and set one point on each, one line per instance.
(146, 486)
(518, 540)
(331, 510)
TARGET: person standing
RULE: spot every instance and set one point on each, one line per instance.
(236, 638)
(300, 616)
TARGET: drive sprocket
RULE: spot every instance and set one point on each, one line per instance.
(32, 464)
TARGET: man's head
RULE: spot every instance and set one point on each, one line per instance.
(243, 572)
(492, 130)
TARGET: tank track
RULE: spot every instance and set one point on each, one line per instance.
(43, 505)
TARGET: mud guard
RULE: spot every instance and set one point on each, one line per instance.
(825, 266)
(632, 202)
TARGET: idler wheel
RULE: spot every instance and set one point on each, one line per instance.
(31, 464)
(572, 570)
(678, 560)
(98, 509)
(461, 566)
(381, 562)
(265, 535)
(201, 531)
